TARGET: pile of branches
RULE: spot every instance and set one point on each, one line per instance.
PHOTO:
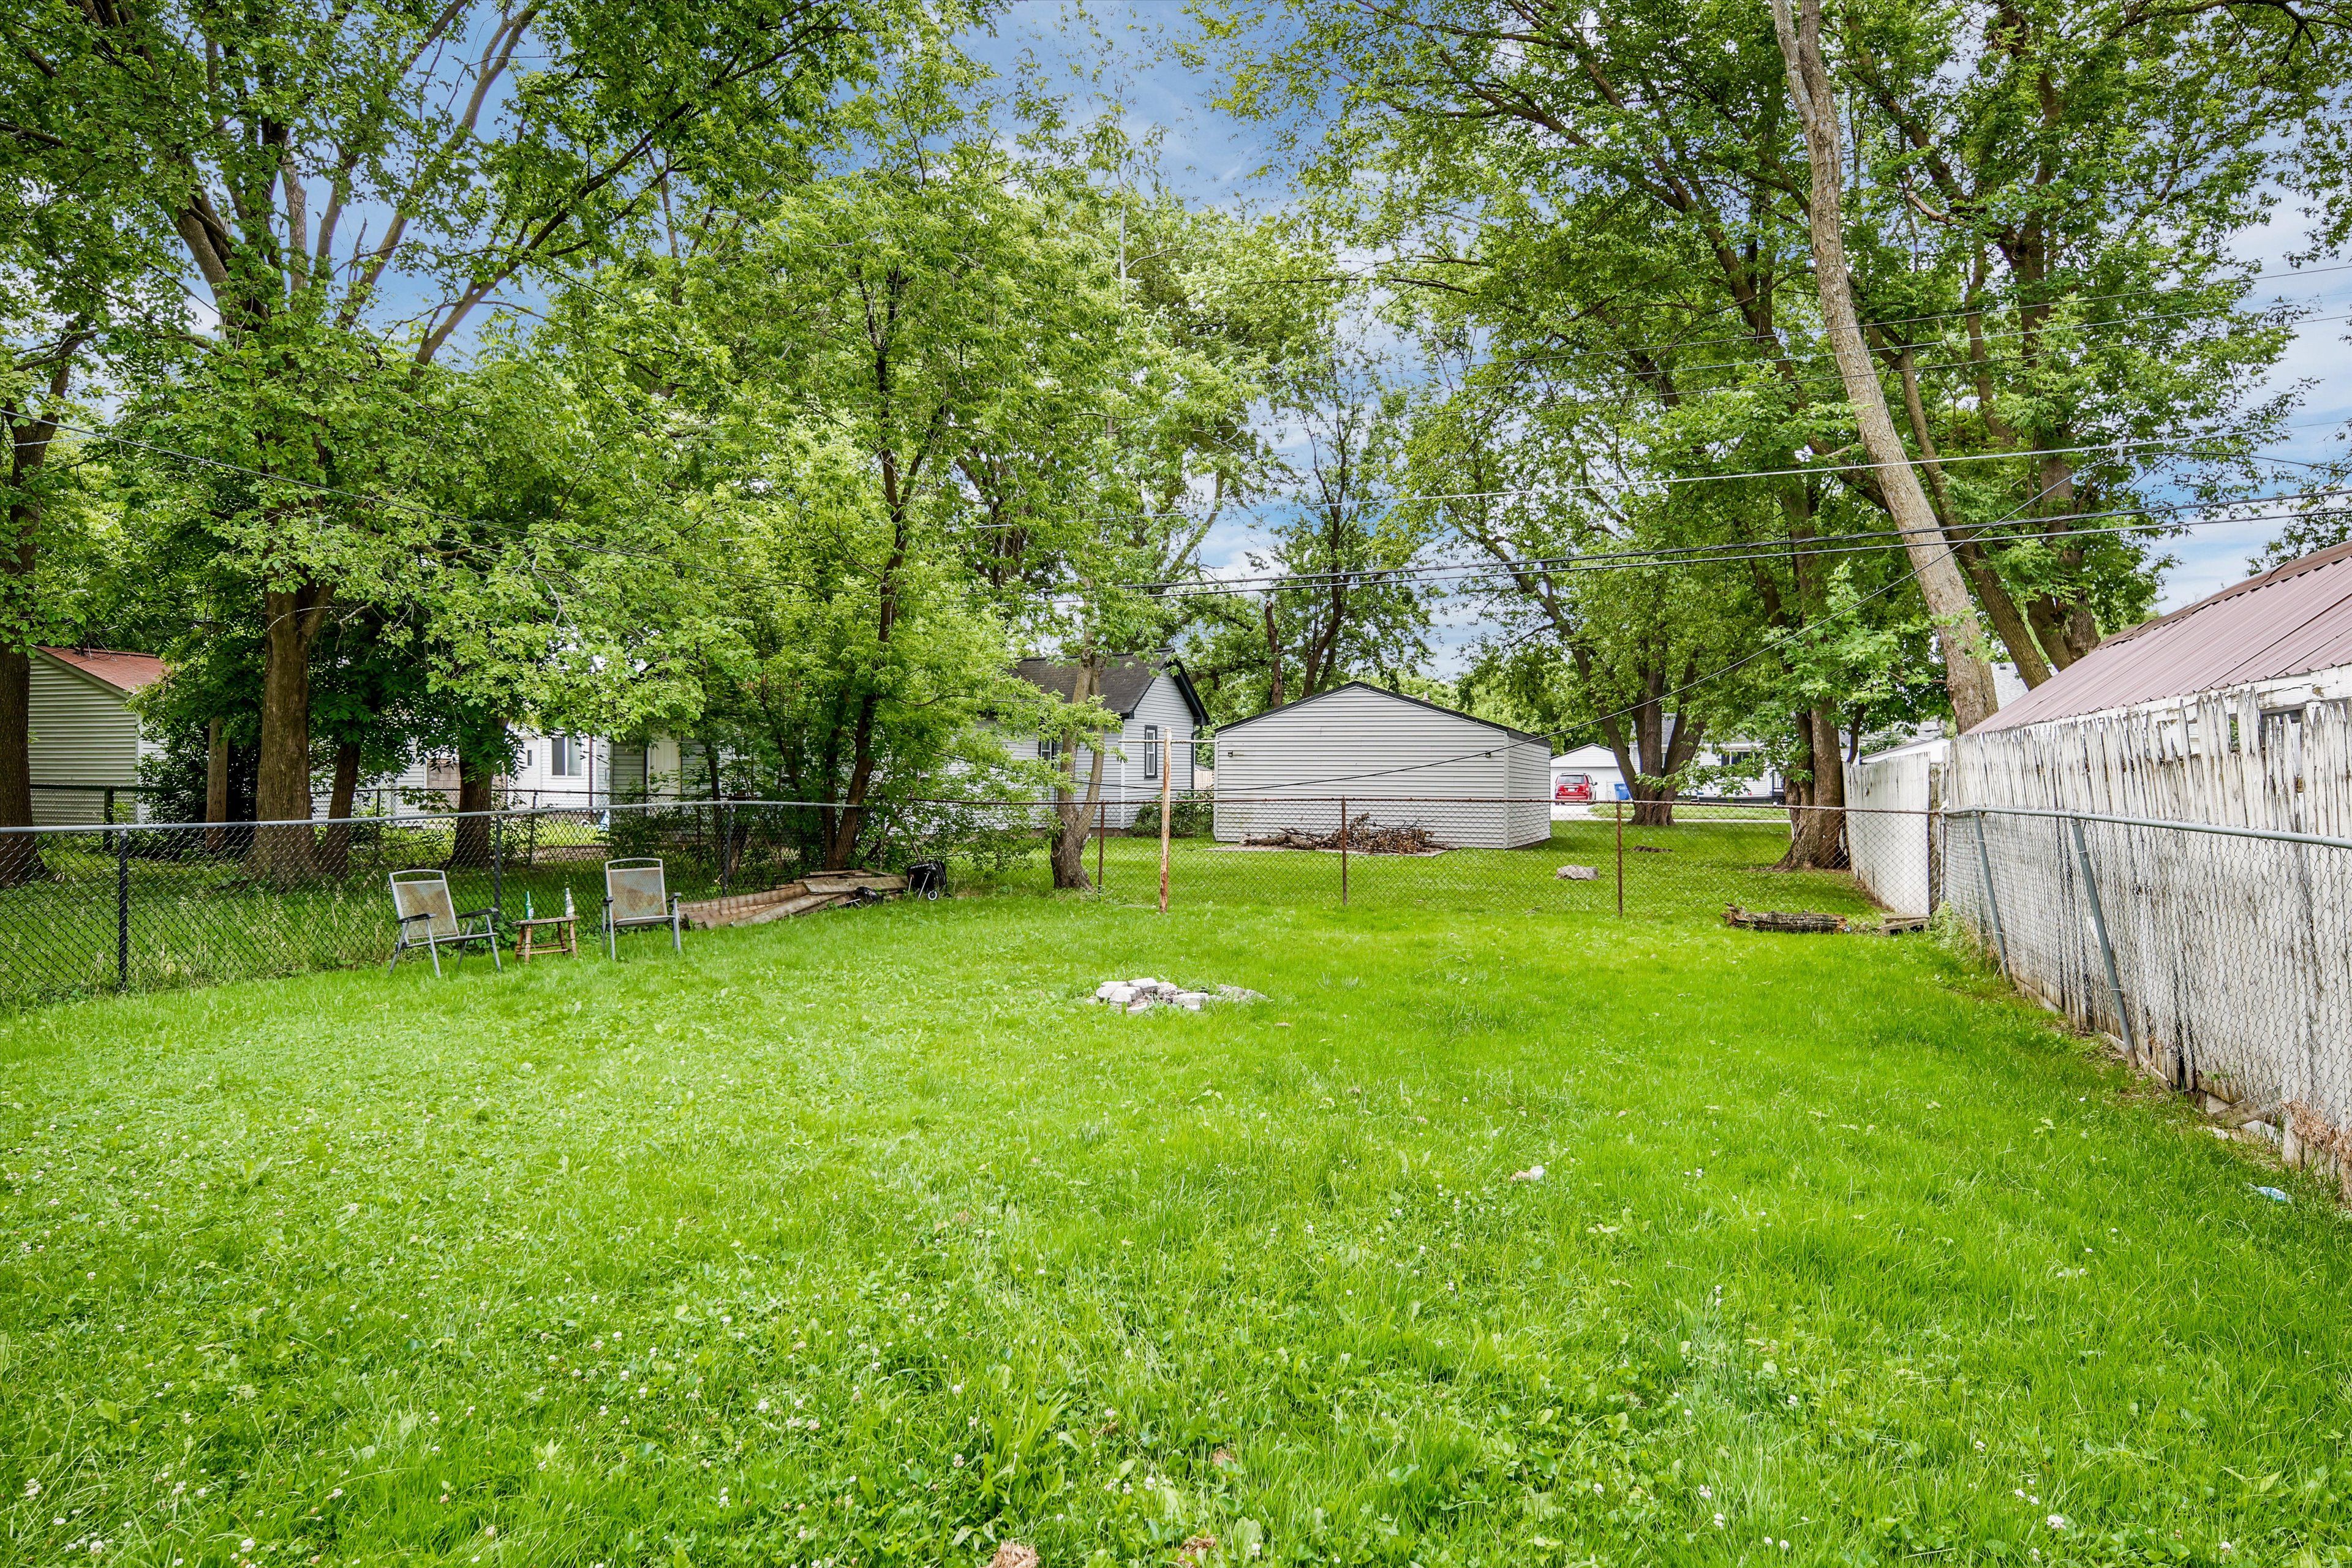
(1363, 838)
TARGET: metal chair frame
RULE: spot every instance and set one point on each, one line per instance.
(670, 915)
(433, 941)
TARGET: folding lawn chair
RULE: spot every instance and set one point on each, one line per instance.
(430, 920)
(636, 895)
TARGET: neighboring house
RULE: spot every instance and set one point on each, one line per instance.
(550, 769)
(85, 738)
(1399, 760)
(1159, 716)
(2217, 712)
(653, 768)
(2235, 710)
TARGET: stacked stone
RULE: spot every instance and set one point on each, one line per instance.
(1142, 995)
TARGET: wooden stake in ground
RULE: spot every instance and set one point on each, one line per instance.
(1967, 670)
(1167, 773)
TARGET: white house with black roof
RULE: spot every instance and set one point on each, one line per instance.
(1159, 716)
(1469, 781)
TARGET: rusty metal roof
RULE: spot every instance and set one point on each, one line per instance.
(125, 673)
(2290, 620)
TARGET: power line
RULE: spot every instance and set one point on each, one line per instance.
(1906, 575)
(1469, 572)
(1735, 550)
(1596, 492)
(1777, 351)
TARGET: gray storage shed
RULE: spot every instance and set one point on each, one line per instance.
(1469, 781)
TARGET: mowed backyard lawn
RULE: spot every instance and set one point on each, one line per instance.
(859, 1239)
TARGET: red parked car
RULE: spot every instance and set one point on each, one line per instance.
(1573, 788)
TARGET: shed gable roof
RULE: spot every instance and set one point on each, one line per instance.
(1126, 680)
(1394, 696)
(2290, 620)
(123, 672)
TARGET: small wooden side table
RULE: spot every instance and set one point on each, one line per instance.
(564, 939)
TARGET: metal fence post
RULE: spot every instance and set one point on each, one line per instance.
(122, 911)
(1167, 773)
(1935, 837)
(1992, 903)
(1620, 856)
(726, 844)
(497, 866)
(1102, 831)
(2099, 928)
(1343, 851)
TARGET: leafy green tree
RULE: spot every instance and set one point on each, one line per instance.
(914, 413)
(348, 189)
(1599, 220)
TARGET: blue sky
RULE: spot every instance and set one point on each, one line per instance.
(1116, 55)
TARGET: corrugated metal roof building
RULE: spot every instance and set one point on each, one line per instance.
(2224, 712)
(2291, 622)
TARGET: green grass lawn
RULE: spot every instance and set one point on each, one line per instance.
(189, 920)
(858, 1240)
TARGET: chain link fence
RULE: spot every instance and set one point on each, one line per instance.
(96, 909)
(2214, 955)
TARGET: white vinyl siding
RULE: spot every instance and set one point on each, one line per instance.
(83, 732)
(533, 782)
(1398, 762)
(1529, 815)
(1127, 783)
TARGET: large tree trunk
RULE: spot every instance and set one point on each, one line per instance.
(215, 783)
(1817, 823)
(335, 855)
(1274, 693)
(477, 778)
(2001, 605)
(851, 821)
(1967, 673)
(20, 853)
(288, 852)
(28, 452)
(1077, 813)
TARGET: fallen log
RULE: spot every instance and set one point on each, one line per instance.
(1784, 919)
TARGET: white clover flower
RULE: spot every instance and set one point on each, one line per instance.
(2057, 1521)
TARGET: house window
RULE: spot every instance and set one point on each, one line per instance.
(1048, 750)
(565, 759)
(1151, 751)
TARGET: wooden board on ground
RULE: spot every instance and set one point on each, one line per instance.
(822, 891)
(1782, 920)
